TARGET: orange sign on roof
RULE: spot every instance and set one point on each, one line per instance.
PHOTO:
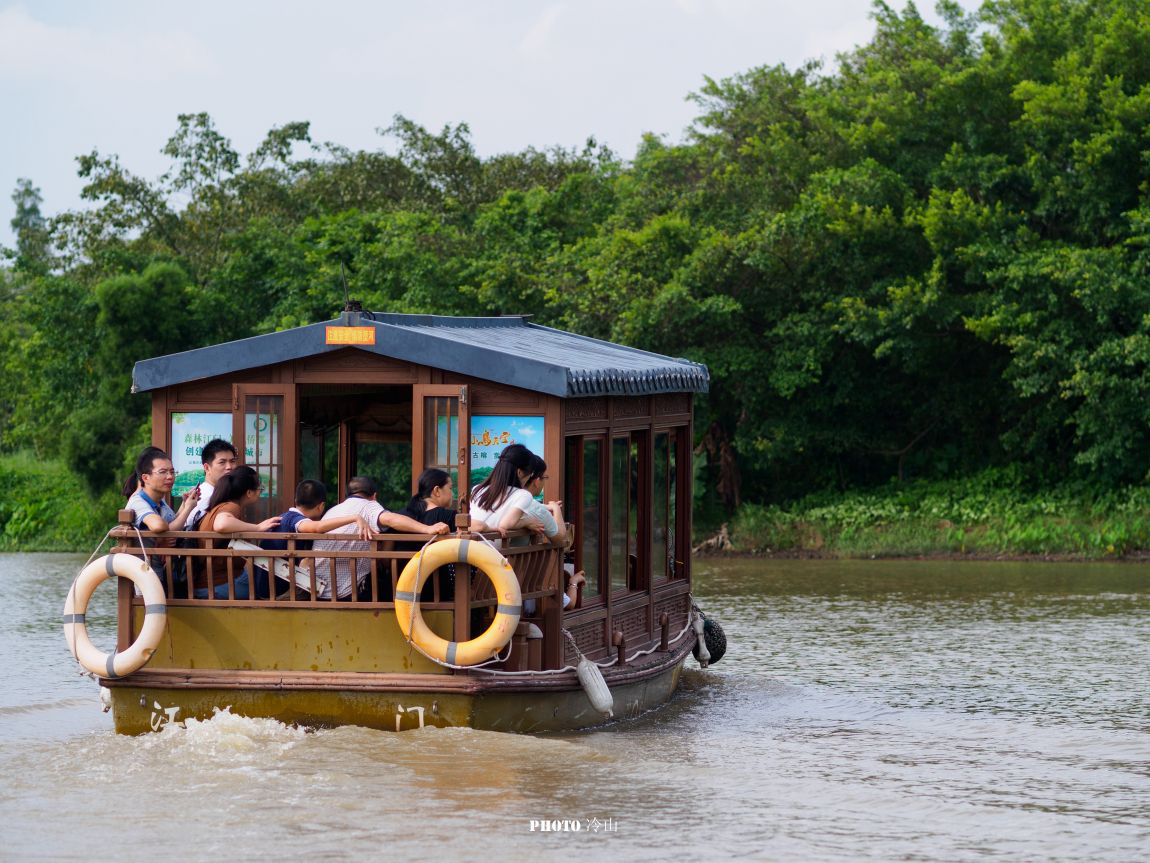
(350, 336)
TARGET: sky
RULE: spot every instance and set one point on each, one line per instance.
(78, 76)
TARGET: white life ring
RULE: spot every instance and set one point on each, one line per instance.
(507, 592)
(112, 665)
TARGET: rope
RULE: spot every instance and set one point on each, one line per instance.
(84, 672)
(411, 620)
(566, 668)
(498, 659)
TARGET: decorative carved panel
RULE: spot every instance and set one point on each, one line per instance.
(492, 398)
(672, 403)
(639, 406)
(585, 409)
(677, 608)
(377, 368)
(589, 636)
(633, 625)
(215, 390)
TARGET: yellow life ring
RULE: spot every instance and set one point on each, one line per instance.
(508, 595)
(114, 665)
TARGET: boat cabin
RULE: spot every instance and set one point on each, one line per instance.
(388, 395)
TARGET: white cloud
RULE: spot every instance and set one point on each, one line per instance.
(33, 50)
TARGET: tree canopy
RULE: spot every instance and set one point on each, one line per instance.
(922, 260)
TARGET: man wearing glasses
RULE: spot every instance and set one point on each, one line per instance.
(148, 504)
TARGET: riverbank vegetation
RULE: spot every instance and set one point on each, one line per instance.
(986, 516)
(909, 269)
(46, 507)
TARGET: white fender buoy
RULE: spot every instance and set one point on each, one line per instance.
(702, 654)
(591, 679)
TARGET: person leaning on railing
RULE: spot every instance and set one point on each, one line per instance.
(431, 504)
(147, 489)
(547, 517)
(236, 489)
(307, 517)
(361, 501)
(498, 503)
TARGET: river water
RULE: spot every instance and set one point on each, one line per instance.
(866, 710)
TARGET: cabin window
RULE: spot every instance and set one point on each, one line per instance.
(263, 448)
(668, 482)
(583, 485)
(441, 434)
(629, 510)
(440, 416)
(622, 537)
(662, 509)
(677, 438)
(388, 462)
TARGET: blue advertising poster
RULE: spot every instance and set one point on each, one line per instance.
(489, 435)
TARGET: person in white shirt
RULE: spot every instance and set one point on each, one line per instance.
(218, 458)
(361, 502)
(499, 502)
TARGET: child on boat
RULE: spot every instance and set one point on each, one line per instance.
(307, 517)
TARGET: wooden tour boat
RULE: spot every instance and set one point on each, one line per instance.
(388, 395)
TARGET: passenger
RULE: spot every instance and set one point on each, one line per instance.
(150, 484)
(499, 502)
(132, 484)
(549, 517)
(307, 517)
(361, 501)
(429, 505)
(218, 458)
(304, 517)
(574, 580)
(236, 489)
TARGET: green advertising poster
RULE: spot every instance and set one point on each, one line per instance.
(190, 432)
(261, 448)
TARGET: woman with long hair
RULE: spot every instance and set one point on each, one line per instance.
(498, 503)
(432, 500)
(430, 505)
(238, 488)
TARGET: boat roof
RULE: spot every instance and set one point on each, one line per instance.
(507, 350)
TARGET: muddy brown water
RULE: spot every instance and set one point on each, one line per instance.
(866, 710)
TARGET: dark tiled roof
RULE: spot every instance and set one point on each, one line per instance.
(507, 350)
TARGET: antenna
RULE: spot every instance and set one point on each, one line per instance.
(349, 305)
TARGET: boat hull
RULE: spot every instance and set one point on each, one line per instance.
(554, 703)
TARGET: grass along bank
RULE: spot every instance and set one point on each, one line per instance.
(45, 507)
(989, 515)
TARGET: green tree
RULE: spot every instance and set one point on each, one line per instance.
(33, 253)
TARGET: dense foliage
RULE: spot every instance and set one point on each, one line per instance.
(923, 262)
(988, 514)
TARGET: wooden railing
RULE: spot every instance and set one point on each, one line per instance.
(537, 566)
